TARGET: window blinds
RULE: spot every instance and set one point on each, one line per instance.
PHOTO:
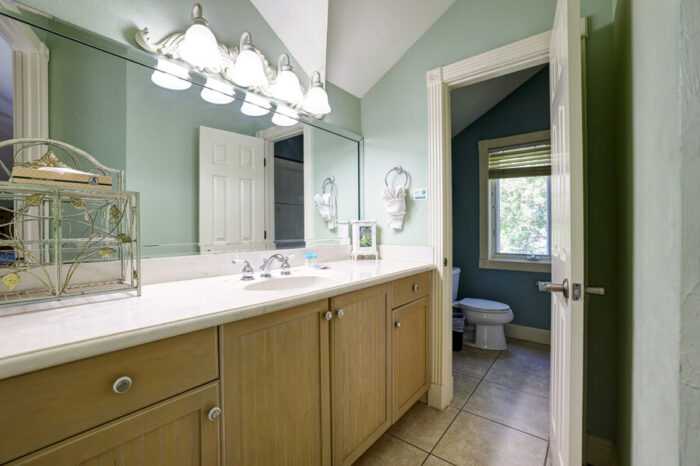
(533, 159)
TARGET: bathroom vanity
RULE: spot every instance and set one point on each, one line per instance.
(315, 383)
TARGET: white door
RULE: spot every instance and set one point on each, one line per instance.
(566, 113)
(231, 189)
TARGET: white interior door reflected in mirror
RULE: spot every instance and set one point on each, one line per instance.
(231, 189)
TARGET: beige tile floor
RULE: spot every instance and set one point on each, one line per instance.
(499, 415)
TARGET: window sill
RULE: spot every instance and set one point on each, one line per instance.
(515, 265)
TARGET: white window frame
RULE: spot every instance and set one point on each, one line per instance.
(488, 259)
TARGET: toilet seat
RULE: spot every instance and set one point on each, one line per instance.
(481, 305)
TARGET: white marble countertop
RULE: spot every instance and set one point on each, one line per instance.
(46, 338)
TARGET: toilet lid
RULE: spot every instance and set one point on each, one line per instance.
(482, 305)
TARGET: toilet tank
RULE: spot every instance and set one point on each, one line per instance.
(455, 282)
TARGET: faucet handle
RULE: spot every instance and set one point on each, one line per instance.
(247, 269)
(285, 265)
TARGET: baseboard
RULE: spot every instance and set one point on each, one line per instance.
(600, 452)
(536, 335)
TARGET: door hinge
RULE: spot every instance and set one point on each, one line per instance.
(264, 162)
(265, 234)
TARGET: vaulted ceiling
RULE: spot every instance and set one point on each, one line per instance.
(354, 41)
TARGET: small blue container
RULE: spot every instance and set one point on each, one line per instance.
(310, 258)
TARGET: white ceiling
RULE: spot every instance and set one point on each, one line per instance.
(468, 103)
(354, 41)
(302, 25)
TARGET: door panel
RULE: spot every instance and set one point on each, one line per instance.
(410, 355)
(276, 388)
(231, 189)
(360, 371)
(566, 113)
(174, 432)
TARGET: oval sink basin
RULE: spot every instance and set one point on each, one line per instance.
(287, 283)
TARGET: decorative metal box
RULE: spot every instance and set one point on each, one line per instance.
(58, 242)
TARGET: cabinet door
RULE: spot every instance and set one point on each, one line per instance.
(360, 371)
(276, 393)
(175, 431)
(410, 355)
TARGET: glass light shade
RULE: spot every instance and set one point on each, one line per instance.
(284, 116)
(248, 70)
(255, 105)
(171, 76)
(217, 92)
(287, 87)
(199, 48)
(316, 101)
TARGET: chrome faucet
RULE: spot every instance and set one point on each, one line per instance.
(247, 269)
(267, 265)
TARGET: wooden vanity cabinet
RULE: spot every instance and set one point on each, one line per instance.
(177, 431)
(361, 363)
(276, 399)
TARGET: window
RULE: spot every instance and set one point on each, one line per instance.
(514, 192)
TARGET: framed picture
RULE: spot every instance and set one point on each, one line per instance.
(364, 239)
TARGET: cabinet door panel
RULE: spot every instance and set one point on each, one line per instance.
(276, 389)
(174, 432)
(410, 354)
(361, 371)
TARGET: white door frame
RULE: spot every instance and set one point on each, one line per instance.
(270, 136)
(525, 53)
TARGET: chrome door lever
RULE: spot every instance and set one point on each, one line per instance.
(577, 290)
(550, 287)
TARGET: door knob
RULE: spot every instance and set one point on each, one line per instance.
(214, 413)
(328, 315)
(550, 287)
(397, 325)
(122, 384)
(416, 287)
(341, 313)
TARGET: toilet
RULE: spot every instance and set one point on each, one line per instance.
(487, 316)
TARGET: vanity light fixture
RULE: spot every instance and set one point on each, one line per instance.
(316, 100)
(255, 105)
(218, 92)
(199, 46)
(248, 68)
(286, 86)
(284, 116)
(171, 75)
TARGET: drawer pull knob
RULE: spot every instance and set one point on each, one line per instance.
(122, 384)
(214, 413)
(416, 287)
(397, 324)
(329, 315)
(341, 313)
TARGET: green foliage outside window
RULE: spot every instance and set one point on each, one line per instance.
(523, 216)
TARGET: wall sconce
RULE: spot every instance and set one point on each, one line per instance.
(218, 92)
(248, 66)
(199, 46)
(286, 86)
(316, 100)
(171, 75)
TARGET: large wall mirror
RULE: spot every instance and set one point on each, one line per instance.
(212, 179)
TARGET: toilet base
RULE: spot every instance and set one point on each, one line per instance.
(490, 337)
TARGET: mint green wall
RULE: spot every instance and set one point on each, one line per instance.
(658, 264)
(394, 125)
(525, 110)
(119, 20)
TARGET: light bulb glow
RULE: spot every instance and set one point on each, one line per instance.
(248, 70)
(284, 116)
(200, 48)
(171, 76)
(316, 99)
(255, 105)
(287, 87)
(217, 92)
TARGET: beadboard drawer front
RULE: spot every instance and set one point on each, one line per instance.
(411, 288)
(46, 406)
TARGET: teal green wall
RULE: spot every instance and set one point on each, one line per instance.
(395, 125)
(523, 111)
(119, 20)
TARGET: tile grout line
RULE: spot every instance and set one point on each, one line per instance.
(460, 410)
(516, 389)
(546, 454)
(506, 425)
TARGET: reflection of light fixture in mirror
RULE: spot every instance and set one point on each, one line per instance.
(286, 86)
(316, 100)
(284, 116)
(171, 76)
(255, 105)
(217, 92)
(199, 47)
(248, 67)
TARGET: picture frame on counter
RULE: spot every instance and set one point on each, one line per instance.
(364, 239)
